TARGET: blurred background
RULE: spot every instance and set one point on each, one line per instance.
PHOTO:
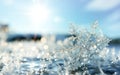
(21, 17)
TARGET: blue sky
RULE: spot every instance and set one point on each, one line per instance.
(54, 16)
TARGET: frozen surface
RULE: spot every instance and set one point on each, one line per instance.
(85, 52)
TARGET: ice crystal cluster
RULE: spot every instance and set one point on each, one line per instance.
(85, 47)
(84, 52)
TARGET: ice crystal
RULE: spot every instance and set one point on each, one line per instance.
(84, 52)
(84, 47)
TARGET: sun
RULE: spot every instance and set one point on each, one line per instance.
(38, 13)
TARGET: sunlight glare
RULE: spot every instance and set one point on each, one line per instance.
(38, 13)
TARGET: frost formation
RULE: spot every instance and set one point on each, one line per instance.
(84, 52)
